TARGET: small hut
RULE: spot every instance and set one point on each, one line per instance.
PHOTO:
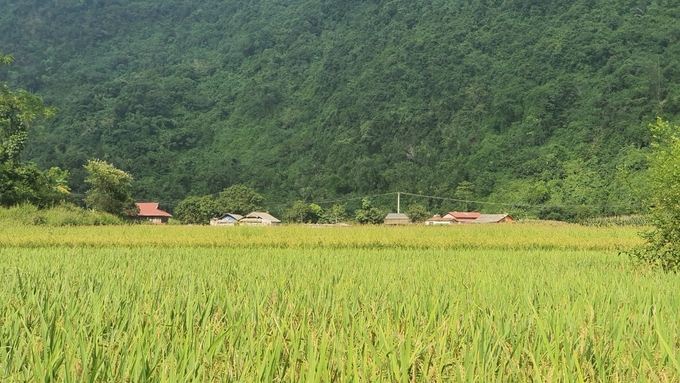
(462, 217)
(257, 218)
(438, 220)
(228, 219)
(494, 218)
(397, 219)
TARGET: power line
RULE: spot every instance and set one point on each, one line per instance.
(509, 204)
(513, 204)
(336, 200)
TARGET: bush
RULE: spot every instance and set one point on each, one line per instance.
(369, 214)
(197, 210)
(662, 247)
(301, 212)
(110, 191)
(240, 199)
(417, 213)
(337, 213)
(61, 215)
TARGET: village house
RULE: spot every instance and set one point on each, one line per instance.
(257, 218)
(396, 219)
(438, 220)
(462, 217)
(228, 219)
(494, 218)
(149, 211)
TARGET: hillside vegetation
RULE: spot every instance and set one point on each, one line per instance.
(535, 103)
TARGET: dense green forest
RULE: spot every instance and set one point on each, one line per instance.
(541, 103)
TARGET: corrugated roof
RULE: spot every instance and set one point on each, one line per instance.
(236, 217)
(150, 209)
(261, 215)
(490, 218)
(396, 216)
(463, 214)
(438, 218)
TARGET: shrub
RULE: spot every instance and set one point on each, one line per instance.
(110, 191)
(369, 214)
(61, 215)
(337, 213)
(417, 213)
(662, 247)
(301, 212)
(240, 199)
(197, 210)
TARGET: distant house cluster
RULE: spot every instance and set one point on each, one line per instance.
(455, 217)
(149, 211)
(255, 218)
(451, 218)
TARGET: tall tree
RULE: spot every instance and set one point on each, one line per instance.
(369, 214)
(197, 210)
(110, 191)
(662, 247)
(240, 199)
(19, 182)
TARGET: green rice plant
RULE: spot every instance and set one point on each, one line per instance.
(633, 220)
(532, 236)
(293, 304)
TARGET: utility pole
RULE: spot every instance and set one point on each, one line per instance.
(398, 202)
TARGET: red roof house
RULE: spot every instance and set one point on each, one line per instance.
(462, 217)
(151, 212)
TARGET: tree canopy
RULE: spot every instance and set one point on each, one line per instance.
(23, 182)
(662, 248)
(110, 189)
(535, 103)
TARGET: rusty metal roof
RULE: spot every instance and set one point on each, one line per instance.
(150, 209)
(468, 214)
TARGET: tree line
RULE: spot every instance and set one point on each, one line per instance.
(535, 103)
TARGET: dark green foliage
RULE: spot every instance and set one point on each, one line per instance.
(465, 191)
(18, 110)
(662, 247)
(417, 213)
(236, 199)
(110, 191)
(25, 183)
(334, 214)
(369, 214)
(197, 210)
(240, 199)
(302, 212)
(22, 183)
(535, 103)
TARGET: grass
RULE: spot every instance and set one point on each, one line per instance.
(60, 215)
(532, 236)
(531, 302)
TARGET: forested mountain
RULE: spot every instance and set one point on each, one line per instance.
(534, 102)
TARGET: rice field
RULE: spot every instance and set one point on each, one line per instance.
(496, 303)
